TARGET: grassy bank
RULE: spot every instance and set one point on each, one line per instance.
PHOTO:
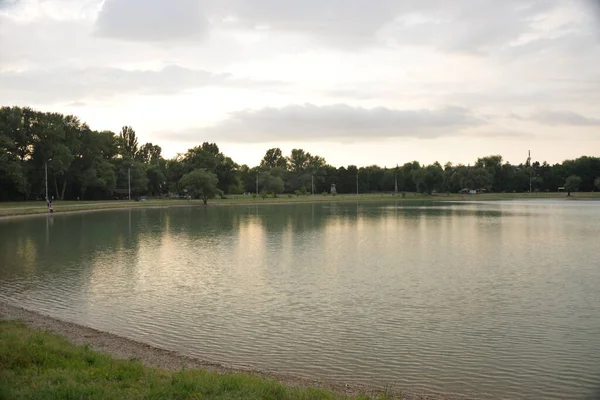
(39, 207)
(41, 365)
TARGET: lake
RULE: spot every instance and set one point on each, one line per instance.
(486, 299)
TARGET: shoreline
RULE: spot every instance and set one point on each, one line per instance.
(123, 348)
(196, 203)
(91, 207)
(92, 210)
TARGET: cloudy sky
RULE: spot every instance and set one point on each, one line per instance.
(356, 81)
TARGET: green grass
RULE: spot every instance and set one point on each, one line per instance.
(39, 207)
(41, 365)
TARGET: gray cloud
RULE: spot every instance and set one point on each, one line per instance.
(7, 3)
(151, 20)
(155, 20)
(469, 26)
(564, 118)
(496, 132)
(340, 22)
(465, 25)
(73, 84)
(338, 122)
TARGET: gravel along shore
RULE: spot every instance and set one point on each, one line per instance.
(122, 348)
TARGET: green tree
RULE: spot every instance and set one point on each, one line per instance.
(14, 150)
(128, 142)
(209, 158)
(273, 158)
(174, 171)
(211, 148)
(149, 154)
(597, 183)
(299, 160)
(156, 178)
(572, 184)
(271, 183)
(407, 170)
(418, 176)
(482, 178)
(493, 166)
(200, 184)
(434, 177)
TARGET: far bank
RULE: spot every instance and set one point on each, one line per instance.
(30, 208)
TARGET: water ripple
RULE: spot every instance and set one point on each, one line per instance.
(485, 300)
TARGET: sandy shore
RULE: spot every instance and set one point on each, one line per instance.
(123, 348)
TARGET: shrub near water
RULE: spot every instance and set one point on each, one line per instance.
(43, 366)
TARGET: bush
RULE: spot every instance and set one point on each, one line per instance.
(253, 195)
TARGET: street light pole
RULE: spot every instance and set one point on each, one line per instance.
(529, 168)
(46, 174)
(46, 169)
(396, 181)
(129, 181)
(357, 183)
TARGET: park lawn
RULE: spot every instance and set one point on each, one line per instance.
(40, 365)
(39, 207)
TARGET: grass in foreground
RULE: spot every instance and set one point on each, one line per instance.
(41, 365)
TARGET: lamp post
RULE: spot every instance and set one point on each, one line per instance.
(129, 181)
(46, 171)
(396, 181)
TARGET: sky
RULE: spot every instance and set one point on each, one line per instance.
(355, 81)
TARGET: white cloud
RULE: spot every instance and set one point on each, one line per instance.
(394, 64)
(564, 118)
(73, 84)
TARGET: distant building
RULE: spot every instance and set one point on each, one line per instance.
(468, 191)
(121, 194)
(333, 189)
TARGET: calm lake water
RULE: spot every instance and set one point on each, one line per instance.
(492, 300)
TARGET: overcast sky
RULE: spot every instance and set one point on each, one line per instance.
(356, 81)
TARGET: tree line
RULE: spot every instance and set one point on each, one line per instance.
(82, 163)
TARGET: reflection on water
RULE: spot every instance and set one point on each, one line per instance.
(490, 299)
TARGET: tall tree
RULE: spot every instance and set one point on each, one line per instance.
(273, 158)
(200, 184)
(418, 176)
(299, 160)
(149, 154)
(572, 184)
(128, 142)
